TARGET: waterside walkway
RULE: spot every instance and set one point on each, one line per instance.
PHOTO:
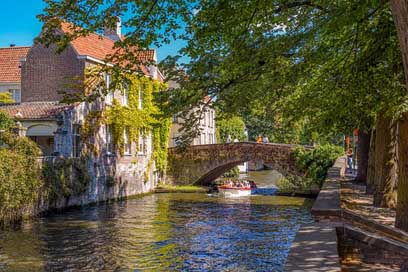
(348, 233)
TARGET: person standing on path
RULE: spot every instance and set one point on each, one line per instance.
(349, 154)
(265, 139)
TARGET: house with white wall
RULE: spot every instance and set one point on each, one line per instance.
(10, 70)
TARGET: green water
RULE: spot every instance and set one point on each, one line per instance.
(160, 232)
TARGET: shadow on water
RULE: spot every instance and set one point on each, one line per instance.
(161, 232)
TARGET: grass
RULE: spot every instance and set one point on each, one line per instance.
(180, 188)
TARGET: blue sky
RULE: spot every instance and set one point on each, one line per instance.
(19, 25)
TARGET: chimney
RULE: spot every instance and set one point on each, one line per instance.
(114, 33)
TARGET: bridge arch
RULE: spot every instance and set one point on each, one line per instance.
(202, 164)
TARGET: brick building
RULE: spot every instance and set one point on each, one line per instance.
(56, 127)
(10, 70)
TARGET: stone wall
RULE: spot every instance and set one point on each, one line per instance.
(112, 175)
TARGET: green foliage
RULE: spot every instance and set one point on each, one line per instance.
(6, 123)
(20, 178)
(322, 68)
(296, 184)
(65, 177)
(233, 127)
(316, 162)
(233, 173)
(148, 118)
(6, 98)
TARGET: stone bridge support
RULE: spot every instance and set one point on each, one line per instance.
(202, 164)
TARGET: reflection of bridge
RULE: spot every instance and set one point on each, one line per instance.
(202, 164)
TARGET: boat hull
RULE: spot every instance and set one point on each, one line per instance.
(234, 192)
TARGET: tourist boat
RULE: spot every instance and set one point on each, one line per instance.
(233, 190)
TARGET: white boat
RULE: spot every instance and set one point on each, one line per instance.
(234, 189)
(231, 191)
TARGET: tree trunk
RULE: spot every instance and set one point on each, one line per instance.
(401, 221)
(385, 163)
(400, 10)
(371, 165)
(363, 147)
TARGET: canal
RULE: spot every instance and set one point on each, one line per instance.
(161, 232)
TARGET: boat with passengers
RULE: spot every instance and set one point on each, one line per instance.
(236, 188)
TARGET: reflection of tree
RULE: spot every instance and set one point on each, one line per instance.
(20, 250)
(167, 232)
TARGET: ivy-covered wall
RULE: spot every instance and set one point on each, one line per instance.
(97, 174)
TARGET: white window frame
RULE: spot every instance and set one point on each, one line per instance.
(141, 143)
(109, 96)
(140, 97)
(14, 93)
(125, 96)
(109, 139)
(76, 140)
(127, 144)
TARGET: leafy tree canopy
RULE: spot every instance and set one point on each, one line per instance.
(328, 65)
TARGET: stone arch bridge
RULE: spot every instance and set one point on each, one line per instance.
(202, 164)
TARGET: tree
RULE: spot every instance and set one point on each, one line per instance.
(363, 148)
(317, 61)
(385, 162)
(370, 182)
(230, 128)
(400, 11)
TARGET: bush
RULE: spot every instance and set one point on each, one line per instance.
(65, 177)
(6, 123)
(233, 173)
(295, 184)
(314, 163)
(20, 178)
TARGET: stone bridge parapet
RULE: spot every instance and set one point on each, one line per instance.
(202, 164)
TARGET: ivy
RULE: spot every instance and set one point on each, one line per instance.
(66, 177)
(20, 177)
(133, 119)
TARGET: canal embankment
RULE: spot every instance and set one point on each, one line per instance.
(345, 237)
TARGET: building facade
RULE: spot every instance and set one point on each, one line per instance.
(10, 70)
(59, 128)
(206, 125)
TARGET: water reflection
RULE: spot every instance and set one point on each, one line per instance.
(162, 232)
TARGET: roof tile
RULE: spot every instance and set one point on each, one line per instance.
(34, 110)
(10, 63)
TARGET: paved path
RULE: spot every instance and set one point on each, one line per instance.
(314, 249)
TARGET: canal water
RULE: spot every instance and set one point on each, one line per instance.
(160, 232)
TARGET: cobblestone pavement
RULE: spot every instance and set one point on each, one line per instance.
(354, 198)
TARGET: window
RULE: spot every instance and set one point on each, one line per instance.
(109, 95)
(142, 146)
(109, 138)
(15, 95)
(140, 95)
(125, 96)
(76, 140)
(126, 142)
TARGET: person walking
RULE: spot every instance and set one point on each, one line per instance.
(349, 155)
(265, 139)
(259, 139)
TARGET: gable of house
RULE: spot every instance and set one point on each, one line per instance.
(10, 72)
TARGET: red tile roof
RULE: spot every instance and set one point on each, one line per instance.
(10, 63)
(100, 47)
(34, 110)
